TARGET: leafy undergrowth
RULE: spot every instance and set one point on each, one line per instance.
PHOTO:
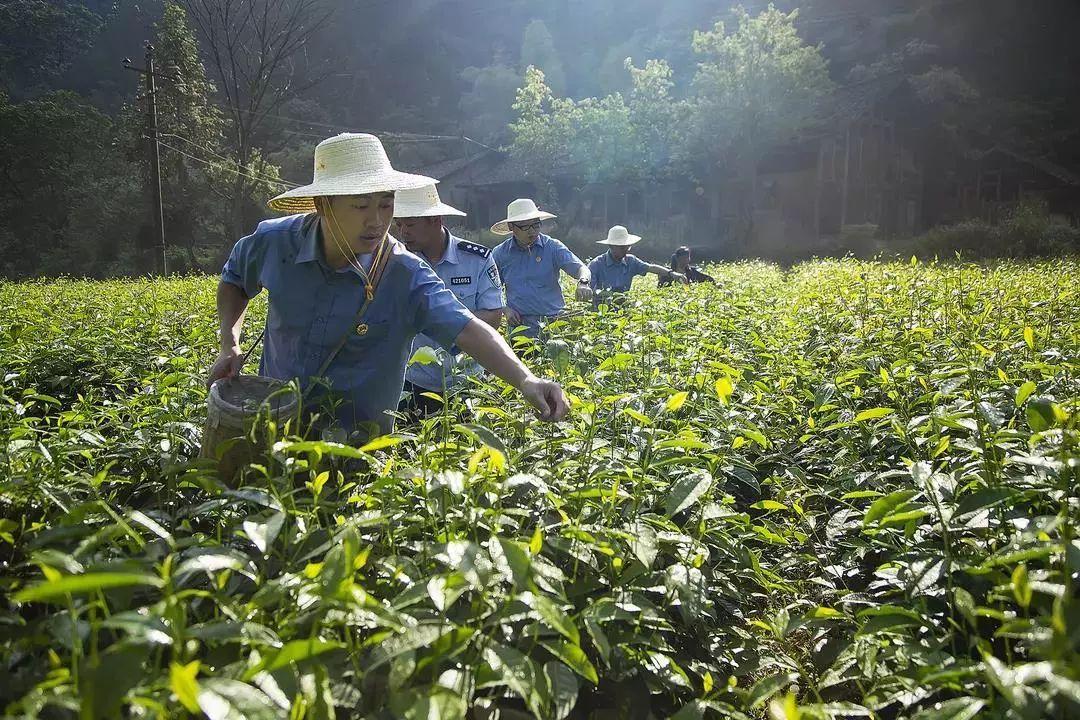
(845, 491)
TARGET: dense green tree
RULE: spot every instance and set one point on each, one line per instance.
(755, 88)
(65, 193)
(487, 107)
(40, 39)
(538, 50)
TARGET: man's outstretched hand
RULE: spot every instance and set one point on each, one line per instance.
(547, 397)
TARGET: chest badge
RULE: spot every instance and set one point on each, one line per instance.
(362, 329)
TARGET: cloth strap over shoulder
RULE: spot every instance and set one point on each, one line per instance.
(376, 276)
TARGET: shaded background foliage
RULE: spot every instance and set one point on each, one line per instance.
(436, 67)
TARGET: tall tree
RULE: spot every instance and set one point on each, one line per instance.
(196, 172)
(65, 193)
(538, 50)
(487, 107)
(256, 48)
(755, 89)
(39, 40)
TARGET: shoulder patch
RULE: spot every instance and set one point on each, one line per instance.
(473, 248)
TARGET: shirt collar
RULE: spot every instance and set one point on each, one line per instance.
(540, 242)
(309, 241)
(310, 251)
(450, 255)
(612, 261)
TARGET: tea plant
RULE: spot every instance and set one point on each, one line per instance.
(848, 490)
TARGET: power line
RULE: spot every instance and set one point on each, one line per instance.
(208, 163)
(400, 137)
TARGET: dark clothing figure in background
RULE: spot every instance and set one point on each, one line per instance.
(680, 263)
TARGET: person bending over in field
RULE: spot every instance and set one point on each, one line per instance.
(680, 262)
(346, 298)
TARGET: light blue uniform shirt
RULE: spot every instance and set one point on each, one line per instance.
(312, 307)
(531, 275)
(469, 271)
(609, 274)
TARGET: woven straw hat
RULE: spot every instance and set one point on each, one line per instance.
(518, 211)
(422, 202)
(620, 237)
(348, 164)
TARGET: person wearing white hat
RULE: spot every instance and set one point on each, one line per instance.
(529, 263)
(615, 270)
(347, 299)
(467, 269)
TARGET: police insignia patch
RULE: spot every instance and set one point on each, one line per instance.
(493, 273)
(474, 248)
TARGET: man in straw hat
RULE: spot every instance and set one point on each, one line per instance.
(529, 263)
(467, 269)
(615, 270)
(346, 299)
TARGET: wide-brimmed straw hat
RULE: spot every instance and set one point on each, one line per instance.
(422, 202)
(348, 164)
(620, 237)
(521, 210)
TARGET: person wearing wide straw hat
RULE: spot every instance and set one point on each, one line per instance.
(467, 269)
(346, 298)
(615, 270)
(529, 263)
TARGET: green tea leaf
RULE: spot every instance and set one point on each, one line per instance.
(552, 615)
(873, 414)
(768, 686)
(886, 505)
(291, 652)
(1024, 392)
(86, 583)
(965, 708)
(183, 683)
(224, 699)
(676, 401)
(521, 674)
(564, 689)
(686, 491)
(575, 658)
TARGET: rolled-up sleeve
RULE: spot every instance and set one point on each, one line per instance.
(244, 265)
(439, 314)
(489, 296)
(638, 266)
(565, 259)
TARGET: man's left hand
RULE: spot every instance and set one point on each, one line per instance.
(680, 278)
(547, 397)
(583, 292)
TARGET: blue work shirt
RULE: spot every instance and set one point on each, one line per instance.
(618, 275)
(312, 307)
(469, 271)
(531, 275)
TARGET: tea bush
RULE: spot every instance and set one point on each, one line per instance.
(848, 490)
(1026, 231)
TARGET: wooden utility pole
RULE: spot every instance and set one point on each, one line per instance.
(157, 209)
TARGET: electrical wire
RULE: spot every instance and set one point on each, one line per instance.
(208, 163)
